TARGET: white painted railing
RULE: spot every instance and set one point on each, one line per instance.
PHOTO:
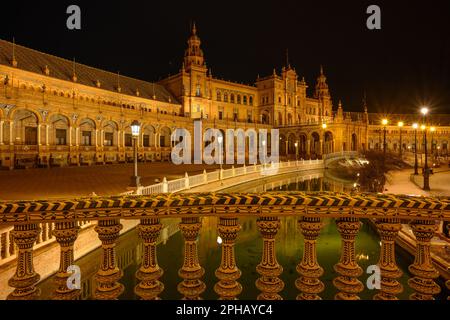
(339, 155)
(204, 178)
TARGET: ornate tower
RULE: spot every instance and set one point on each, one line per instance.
(196, 88)
(193, 55)
(322, 93)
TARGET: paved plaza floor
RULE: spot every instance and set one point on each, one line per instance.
(35, 184)
(399, 182)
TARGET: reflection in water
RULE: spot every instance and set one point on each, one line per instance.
(289, 246)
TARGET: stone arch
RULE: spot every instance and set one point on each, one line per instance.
(292, 139)
(35, 113)
(164, 137)
(328, 142)
(265, 117)
(315, 145)
(148, 136)
(86, 131)
(59, 129)
(302, 145)
(25, 127)
(354, 142)
(110, 133)
(283, 140)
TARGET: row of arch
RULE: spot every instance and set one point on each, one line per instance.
(313, 144)
(26, 129)
(226, 96)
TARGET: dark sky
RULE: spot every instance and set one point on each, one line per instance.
(401, 66)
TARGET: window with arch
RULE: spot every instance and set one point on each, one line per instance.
(279, 99)
(198, 91)
(238, 98)
(251, 101)
(219, 96)
(225, 97)
(244, 99)
(232, 98)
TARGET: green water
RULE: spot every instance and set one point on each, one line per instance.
(289, 248)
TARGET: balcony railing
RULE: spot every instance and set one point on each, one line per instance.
(387, 212)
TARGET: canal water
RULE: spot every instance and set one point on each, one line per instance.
(289, 248)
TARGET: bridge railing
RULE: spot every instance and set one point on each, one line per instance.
(387, 212)
(341, 154)
(188, 182)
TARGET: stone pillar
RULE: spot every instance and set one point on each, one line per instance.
(77, 136)
(109, 273)
(102, 138)
(46, 135)
(390, 287)
(309, 283)
(39, 134)
(70, 136)
(269, 283)
(308, 148)
(347, 282)
(65, 233)
(192, 286)
(96, 137)
(423, 270)
(149, 287)
(25, 278)
(228, 288)
(1, 132)
(11, 126)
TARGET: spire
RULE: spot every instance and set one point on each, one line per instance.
(14, 61)
(340, 112)
(193, 55)
(322, 90)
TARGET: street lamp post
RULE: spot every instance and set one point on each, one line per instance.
(400, 125)
(135, 129)
(384, 122)
(426, 173)
(415, 126)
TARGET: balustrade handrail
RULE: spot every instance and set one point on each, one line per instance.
(213, 176)
(314, 204)
(340, 154)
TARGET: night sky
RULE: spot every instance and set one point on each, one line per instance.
(401, 66)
